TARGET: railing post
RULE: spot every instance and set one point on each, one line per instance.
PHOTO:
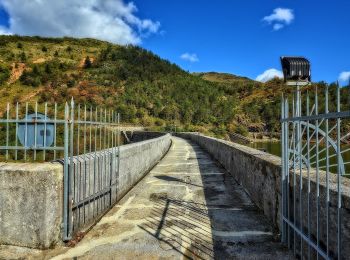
(283, 171)
(65, 174)
(71, 171)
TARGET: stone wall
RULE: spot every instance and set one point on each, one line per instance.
(260, 174)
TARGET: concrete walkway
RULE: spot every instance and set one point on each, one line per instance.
(186, 207)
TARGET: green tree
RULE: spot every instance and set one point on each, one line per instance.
(23, 57)
(48, 69)
(87, 63)
(4, 73)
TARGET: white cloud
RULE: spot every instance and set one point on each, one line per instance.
(277, 26)
(110, 20)
(344, 76)
(269, 74)
(280, 18)
(4, 31)
(191, 57)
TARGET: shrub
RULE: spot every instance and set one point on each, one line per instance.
(23, 57)
(241, 130)
(4, 73)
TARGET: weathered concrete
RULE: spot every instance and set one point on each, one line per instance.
(186, 207)
(31, 204)
(260, 174)
(137, 159)
(31, 195)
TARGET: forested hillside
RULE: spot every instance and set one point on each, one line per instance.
(144, 88)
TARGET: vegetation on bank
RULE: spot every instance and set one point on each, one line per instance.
(144, 88)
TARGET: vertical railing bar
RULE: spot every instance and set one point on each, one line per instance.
(327, 172)
(78, 166)
(300, 139)
(308, 174)
(16, 139)
(105, 130)
(35, 130)
(99, 176)
(93, 179)
(55, 132)
(7, 130)
(339, 187)
(66, 169)
(85, 166)
(26, 133)
(317, 176)
(283, 169)
(115, 158)
(105, 159)
(295, 105)
(108, 154)
(287, 168)
(71, 171)
(90, 128)
(45, 129)
(118, 143)
(97, 163)
(112, 158)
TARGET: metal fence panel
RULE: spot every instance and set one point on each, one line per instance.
(85, 140)
(313, 166)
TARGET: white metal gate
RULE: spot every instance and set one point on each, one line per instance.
(314, 172)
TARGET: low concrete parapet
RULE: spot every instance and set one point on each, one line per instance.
(137, 159)
(260, 174)
(31, 195)
(31, 199)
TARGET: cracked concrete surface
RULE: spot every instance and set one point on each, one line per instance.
(187, 207)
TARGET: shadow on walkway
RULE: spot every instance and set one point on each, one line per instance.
(219, 221)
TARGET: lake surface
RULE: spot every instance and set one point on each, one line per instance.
(275, 148)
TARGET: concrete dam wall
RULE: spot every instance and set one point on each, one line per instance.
(31, 194)
(260, 174)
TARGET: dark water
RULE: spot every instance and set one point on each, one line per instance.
(269, 147)
(276, 149)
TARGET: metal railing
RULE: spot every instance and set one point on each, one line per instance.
(84, 139)
(313, 156)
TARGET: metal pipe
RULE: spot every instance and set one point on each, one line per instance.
(16, 142)
(35, 130)
(71, 170)
(308, 175)
(7, 130)
(45, 134)
(66, 175)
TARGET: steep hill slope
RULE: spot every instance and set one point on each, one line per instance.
(144, 88)
(258, 109)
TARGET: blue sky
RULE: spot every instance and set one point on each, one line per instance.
(243, 37)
